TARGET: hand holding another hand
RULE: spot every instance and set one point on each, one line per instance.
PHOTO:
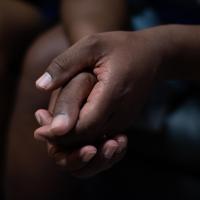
(125, 65)
(81, 161)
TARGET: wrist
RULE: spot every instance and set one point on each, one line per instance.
(180, 55)
(168, 50)
(164, 44)
(160, 48)
(169, 47)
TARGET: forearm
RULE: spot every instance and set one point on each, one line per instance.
(182, 55)
(83, 17)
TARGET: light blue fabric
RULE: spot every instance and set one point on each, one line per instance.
(145, 19)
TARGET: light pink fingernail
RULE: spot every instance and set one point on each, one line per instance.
(44, 81)
(109, 152)
(122, 144)
(38, 118)
(87, 156)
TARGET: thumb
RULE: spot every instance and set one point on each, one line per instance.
(77, 58)
(68, 106)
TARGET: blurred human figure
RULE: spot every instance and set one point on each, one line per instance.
(15, 34)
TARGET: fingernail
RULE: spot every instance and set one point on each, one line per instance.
(109, 152)
(60, 122)
(87, 156)
(122, 144)
(44, 81)
(38, 118)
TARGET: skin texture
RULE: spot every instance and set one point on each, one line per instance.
(82, 133)
(126, 64)
(21, 175)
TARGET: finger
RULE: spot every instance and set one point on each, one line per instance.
(68, 106)
(99, 109)
(112, 152)
(121, 151)
(74, 160)
(43, 117)
(40, 133)
(76, 59)
(122, 140)
(53, 99)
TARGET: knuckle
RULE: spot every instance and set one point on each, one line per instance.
(57, 65)
(92, 41)
(66, 104)
(61, 104)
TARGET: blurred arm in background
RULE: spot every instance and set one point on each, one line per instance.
(85, 17)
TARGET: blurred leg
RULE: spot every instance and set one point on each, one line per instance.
(16, 31)
(30, 174)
